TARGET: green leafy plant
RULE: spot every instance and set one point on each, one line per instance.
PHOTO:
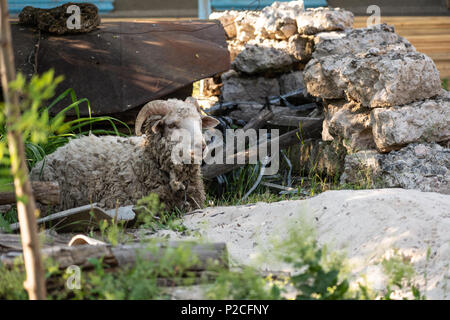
(242, 285)
(11, 283)
(321, 271)
(43, 134)
(113, 232)
(400, 275)
(151, 214)
(34, 124)
(140, 281)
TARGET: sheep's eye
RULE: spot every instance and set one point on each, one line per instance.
(171, 126)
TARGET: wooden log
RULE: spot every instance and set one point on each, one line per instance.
(12, 242)
(45, 192)
(209, 257)
(264, 115)
(310, 128)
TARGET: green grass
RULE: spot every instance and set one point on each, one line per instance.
(445, 84)
(152, 215)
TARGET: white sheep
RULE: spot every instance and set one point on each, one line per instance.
(106, 169)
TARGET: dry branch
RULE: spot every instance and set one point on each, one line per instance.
(45, 192)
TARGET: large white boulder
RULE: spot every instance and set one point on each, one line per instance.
(278, 21)
(379, 38)
(422, 121)
(349, 124)
(424, 167)
(255, 89)
(301, 47)
(374, 80)
(312, 21)
(268, 56)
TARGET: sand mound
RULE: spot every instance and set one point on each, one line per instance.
(366, 224)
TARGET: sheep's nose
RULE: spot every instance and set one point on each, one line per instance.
(203, 146)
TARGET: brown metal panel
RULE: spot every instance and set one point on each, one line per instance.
(123, 65)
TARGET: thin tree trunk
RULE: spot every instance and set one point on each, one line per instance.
(26, 208)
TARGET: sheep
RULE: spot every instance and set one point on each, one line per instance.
(110, 169)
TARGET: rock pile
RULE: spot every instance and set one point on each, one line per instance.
(269, 46)
(382, 100)
(381, 95)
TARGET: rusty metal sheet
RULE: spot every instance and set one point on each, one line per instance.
(123, 65)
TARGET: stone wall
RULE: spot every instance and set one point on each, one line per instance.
(380, 96)
(268, 45)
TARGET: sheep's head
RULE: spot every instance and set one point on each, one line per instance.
(180, 120)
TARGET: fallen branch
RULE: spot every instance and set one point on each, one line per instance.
(45, 192)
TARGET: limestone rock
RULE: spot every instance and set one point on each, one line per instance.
(363, 169)
(392, 79)
(291, 81)
(278, 20)
(235, 88)
(323, 77)
(245, 25)
(348, 123)
(423, 121)
(226, 18)
(262, 58)
(374, 80)
(376, 39)
(425, 167)
(235, 47)
(312, 21)
(322, 157)
(301, 47)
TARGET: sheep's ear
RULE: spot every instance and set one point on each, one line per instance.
(209, 122)
(158, 126)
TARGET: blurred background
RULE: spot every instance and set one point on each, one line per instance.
(195, 8)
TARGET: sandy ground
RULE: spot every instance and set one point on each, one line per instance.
(366, 225)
